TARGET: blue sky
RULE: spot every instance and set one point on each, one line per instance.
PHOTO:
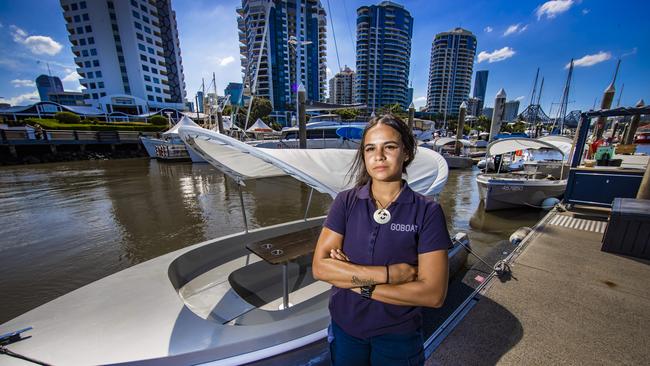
(514, 38)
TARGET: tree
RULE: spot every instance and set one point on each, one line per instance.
(483, 123)
(394, 109)
(67, 117)
(227, 110)
(347, 113)
(158, 120)
(261, 108)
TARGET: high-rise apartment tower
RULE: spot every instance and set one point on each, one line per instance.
(342, 87)
(450, 71)
(295, 50)
(126, 48)
(384, 35)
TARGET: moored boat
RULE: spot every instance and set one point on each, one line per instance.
(214, 302)
(528, 188)
(170, 147)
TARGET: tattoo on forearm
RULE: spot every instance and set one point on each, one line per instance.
(362, 282)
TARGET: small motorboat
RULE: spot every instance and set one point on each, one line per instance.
(224, 301)
(528, 188)
(170, 147)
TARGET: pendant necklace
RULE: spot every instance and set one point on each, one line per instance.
(382, 215)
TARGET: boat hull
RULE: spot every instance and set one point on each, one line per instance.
(499, 192)
(166, 150)
(152, 312)
(458, 162)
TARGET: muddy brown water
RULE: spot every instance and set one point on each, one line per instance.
(64, 225)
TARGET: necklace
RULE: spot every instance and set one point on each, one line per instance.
(382, 215)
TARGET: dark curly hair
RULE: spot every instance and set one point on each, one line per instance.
(358, 168)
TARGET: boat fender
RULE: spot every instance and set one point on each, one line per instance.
(549, 203)
(519, 235)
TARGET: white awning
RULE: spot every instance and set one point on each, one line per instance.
(326, 170)
(185, 121)
(504, 146)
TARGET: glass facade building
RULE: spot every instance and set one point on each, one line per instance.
(480, 86)
(46, 85)
(295, 51)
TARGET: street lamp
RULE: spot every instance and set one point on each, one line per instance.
(294, 43)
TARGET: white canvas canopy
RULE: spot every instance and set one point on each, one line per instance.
(448, 140)
(185, 121)
(564, 144)
(504, 146)
(259, 126)
(326, 170)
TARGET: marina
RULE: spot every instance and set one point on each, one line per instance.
(146, 219)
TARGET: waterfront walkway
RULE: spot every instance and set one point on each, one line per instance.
(567, 303)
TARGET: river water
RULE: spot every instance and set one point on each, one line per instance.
(64, 225)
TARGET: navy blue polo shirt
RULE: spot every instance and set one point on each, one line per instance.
(417, 226)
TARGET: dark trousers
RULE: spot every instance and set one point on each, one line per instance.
(386, 349)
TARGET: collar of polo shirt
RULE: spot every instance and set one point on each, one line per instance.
(407, 195)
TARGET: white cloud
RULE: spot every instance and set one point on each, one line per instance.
(73, 76)
(590, 60)
(18, 34)
(328, 71)
(520, 98)
(226, 60)
(21, 83)
(420, 101)
(22, 99)
(515, 28)
(38, 45)
(552, 8)
(633, 52)
(488, 29)
(585, 11)
(496, 55)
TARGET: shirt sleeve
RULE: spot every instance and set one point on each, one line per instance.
(433, 234)
(336, 217)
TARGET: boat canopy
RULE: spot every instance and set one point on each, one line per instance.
(504, 146)
(185, 121)
(448, 140)
(326, 170)
(259, 126)
(561, 142)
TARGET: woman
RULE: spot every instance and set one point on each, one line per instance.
(384, 249)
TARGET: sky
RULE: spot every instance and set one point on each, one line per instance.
(514, 38)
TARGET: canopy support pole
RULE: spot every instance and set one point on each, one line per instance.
(311, 193)
(243, 208)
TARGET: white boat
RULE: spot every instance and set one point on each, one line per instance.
(214, 302)
(528, 188)
(446, 145)
(170, 147)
